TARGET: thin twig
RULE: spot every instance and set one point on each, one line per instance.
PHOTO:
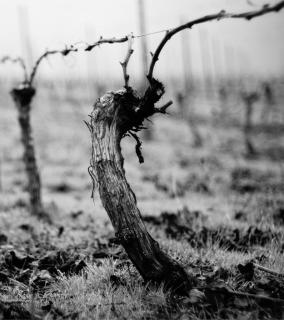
(47, 53)
(275, 273)
(164, 108)
(126, 60)
(72, 48)
(256, 297)
(218, 16)
(102, 40)
(138, 146)
(19, 61)
(91, 306)
(246, 295)
(94, 180)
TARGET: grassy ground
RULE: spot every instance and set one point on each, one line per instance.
(211, 208)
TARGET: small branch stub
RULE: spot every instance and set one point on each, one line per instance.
(126, 61)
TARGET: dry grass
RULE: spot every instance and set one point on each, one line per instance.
(63, 150)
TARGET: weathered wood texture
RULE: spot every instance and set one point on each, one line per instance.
(22, 97)
(114, 115)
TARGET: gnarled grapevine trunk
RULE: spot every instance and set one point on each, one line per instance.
(22, 97)
(115, 114)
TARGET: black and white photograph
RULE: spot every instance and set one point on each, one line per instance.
(141, 159)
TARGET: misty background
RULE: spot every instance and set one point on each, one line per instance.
(234, 48)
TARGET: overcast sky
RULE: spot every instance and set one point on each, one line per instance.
(254, 47)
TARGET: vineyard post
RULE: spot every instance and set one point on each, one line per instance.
(186, 99)
(249, 99)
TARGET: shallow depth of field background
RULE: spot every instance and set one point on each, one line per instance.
(233, 56)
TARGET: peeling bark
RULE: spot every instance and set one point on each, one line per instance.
(22, 97)
(113, 116)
